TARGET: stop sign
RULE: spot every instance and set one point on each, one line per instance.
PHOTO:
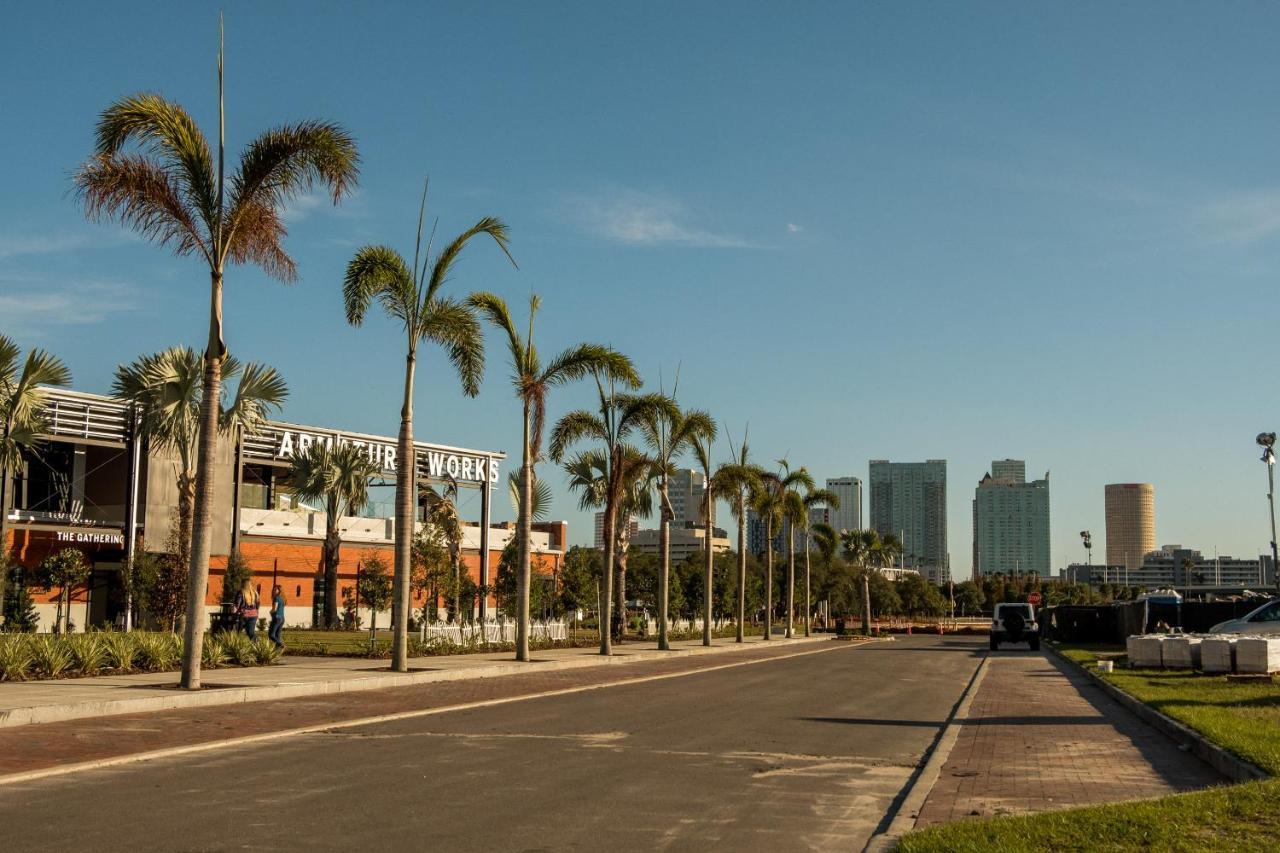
(1034, 598)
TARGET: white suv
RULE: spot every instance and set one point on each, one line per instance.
(1264, 620)
(1015, 623)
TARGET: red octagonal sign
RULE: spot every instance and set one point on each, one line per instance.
(1034, 598)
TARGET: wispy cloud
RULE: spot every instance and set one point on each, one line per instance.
(1242, 218)
(37, 303)
(18, 245)
(307, 204)
(793, 228)
(647, 219)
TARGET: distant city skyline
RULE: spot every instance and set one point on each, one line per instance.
(1109, 217)
(1011, 521)
(909, 501)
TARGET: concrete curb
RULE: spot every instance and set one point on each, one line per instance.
(36, 714)
(904, 819)
(1226, 763)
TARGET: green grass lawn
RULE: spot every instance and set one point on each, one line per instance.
(1243, 718)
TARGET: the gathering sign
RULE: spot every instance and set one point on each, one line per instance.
(279, 443)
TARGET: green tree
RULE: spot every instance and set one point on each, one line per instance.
(167, 390)
(373, 586)
(153, 171)
(813, 498)
(22, 420)
(619, 417)
(919, 597)
(968, 597)
(441, 510)
(336, 476)
(160, 583)
(412, 296)
(237, 572)
(432, 567)
(739, 496)
(19, 610)
(65, 570)
(730, 481)
(532, 380)
(771, 502)
(579, 578)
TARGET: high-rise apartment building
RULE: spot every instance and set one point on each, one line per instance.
(849, 515)
(687, 488)
(1010, 522)
(633, 522)
(1131, 523)
(909, 500)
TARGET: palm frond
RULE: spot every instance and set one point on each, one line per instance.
(260, 391)
(454, 326)
(378, 272)
(540, 505)
(144, 196)
(574, 427)
(585, 359)
(449, 255)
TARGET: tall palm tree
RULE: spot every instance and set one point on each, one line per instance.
(532, 380)
(768, 508)
(813, 498)
(412, 295)
(668, 439)
(167, 389)
(153, 171)
(869, 550)
(730, 482)
(739, 500)
(619, 417)
(338, 477)
(22, 420)
(794, 485)
(588, 476)
(778, 499)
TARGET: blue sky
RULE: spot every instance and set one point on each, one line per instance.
(873, 230)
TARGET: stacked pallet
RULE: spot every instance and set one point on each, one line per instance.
(1218, 654)
(1180, 652)
(1144, 651)
(1258, 654)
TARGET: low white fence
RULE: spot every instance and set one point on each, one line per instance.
(492, 632)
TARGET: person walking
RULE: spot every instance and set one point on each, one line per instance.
(277, 616)
(247, 608)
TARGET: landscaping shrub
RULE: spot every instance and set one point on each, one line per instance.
(16, 657)
(214, 651)
(265, 652)
(159, 651)
(118, 651)
(239, 648)
(51, 654)
(88, 652)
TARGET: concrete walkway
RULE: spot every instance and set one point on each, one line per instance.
(1039, 736)
(28, 702)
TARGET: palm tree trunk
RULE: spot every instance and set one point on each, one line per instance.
(791, 579)
(866, 603)
(606, 594)
(807, 604)
(332, 544)
(186, 505)
(525, 533)
(620, 557)
(742, 570)
(664, 569)
(5, 550)
(768, 580)
(406, 492)
(198, 568)
(708, 581)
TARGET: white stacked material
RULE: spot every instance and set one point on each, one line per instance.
(1181, 652)
(1258, 654)
(1144, 650)
(1218, 654)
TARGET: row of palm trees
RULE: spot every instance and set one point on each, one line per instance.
(154, 171)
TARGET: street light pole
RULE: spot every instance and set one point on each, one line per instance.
(1267, 440)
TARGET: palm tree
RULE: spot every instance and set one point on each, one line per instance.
(411, 295)
(153, 171)
(532, 380)
(777, 499)
(618, 418)
(588, 475)
(813, 498)
(731, 481)
(668, 439)
(795, 513)
(338, 477)
(22, 420)
(167, 390)
(738, 500)
(868, 549)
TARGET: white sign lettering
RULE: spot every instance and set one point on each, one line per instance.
(82, 537)
(438, 465)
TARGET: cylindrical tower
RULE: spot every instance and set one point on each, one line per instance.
(1131, 523)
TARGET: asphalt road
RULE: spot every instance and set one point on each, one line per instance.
(805, 753)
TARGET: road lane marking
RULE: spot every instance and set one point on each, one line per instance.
(209, 746)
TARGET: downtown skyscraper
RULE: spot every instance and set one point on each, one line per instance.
(849, 515)
(909, 500)
(1010, 522)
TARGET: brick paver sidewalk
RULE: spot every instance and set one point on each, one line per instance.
(45, 746)
(1039, 737)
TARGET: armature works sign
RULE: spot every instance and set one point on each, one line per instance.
(282, 443)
